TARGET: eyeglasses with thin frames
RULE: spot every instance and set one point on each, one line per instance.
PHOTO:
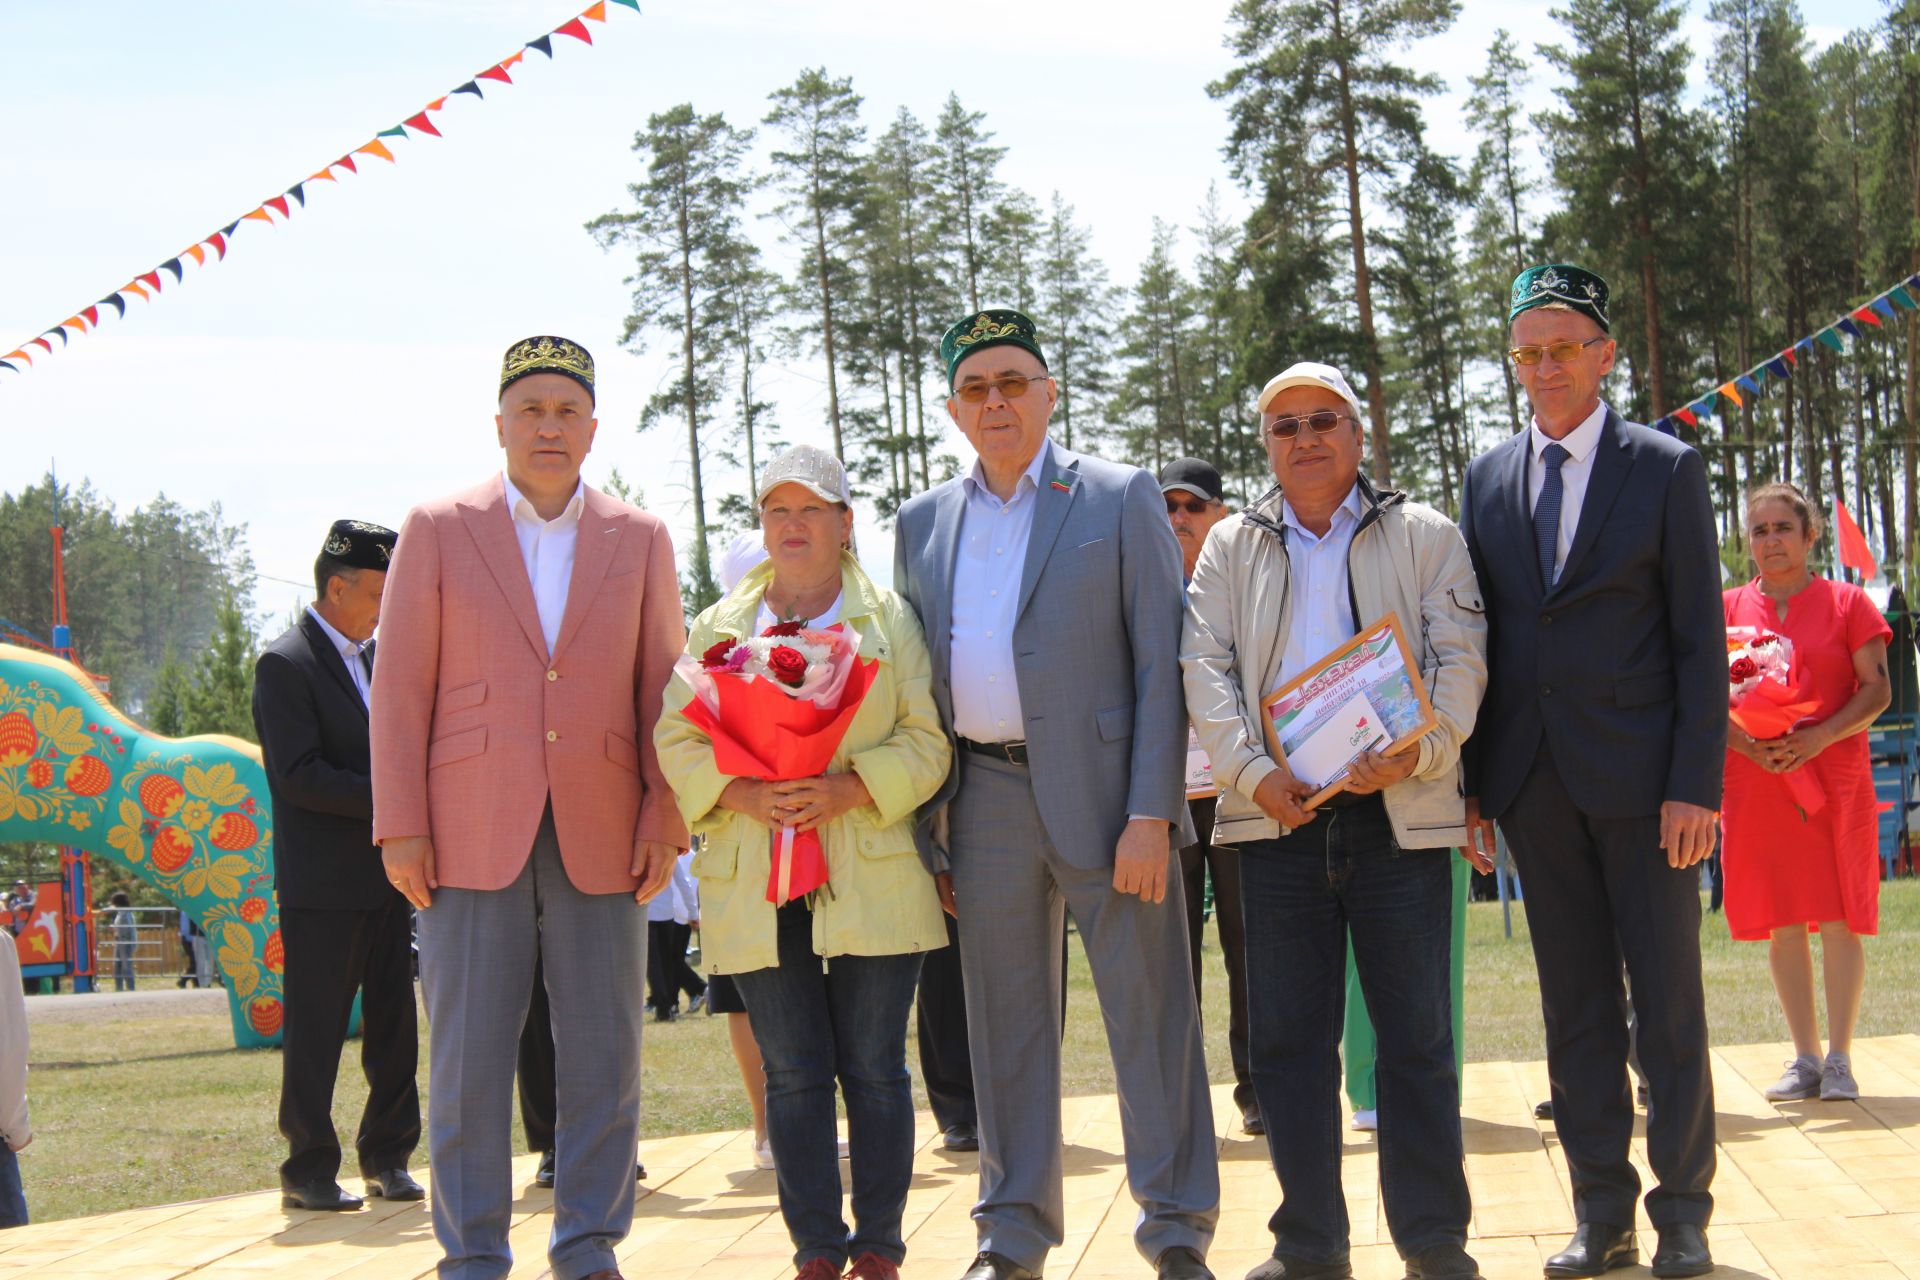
(1010, 386)
(1559, 352)
(1322, 422)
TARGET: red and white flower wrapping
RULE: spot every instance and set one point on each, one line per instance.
(1766, 701)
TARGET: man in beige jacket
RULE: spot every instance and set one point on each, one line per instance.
(1276, 588)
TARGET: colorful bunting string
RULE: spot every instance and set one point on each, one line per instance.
(1885, 305)
(145, 284)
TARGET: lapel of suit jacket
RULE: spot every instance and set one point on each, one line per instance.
(1049, 513)
(1513, 483)
(331, 660)
(492, 528)
(943, 549)
(601, 524)
(1612, 459)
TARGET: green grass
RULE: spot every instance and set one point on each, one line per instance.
(148, 1110)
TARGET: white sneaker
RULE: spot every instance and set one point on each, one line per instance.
(1800, 1080)
(843, 1149)
(1366, 1120)
(763, 1154)
(1836, 1079)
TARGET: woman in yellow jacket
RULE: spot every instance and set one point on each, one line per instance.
(827, 979)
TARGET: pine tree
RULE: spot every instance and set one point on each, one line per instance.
(221, 698)
(904, 173)
(821, 171)
(1075, 300)
(966, 193)
(1012, 235)
(166, 707)
(1501, 226)
(686, 237)
(1152, 400)
(1222, 407)
(1321, 68)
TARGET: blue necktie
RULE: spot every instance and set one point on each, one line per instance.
(1546, 514)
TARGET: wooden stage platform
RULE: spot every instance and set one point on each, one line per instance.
(1804, 1190)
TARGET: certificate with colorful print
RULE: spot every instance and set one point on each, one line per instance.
(1367, 695)
(1199, 769)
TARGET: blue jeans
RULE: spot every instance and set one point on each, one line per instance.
(1303, 895)
(818, 1022)
(13, 1198)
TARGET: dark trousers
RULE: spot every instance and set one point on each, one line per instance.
(668, 973)
(1304, 895)
(330, 954)
(1197, 861)
(940, 1015)
(533, 1077)
(841, 1022)
(1599, 890)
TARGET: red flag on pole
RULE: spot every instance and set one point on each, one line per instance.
(1854, 553)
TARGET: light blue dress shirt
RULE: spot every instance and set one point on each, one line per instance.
(350, 651)
(986, 598)
(1321, 616)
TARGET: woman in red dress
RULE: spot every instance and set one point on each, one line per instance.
(1787, 873)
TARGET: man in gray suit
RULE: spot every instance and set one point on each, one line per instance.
(1049, 585)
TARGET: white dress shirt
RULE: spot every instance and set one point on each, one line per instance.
(1320, 616)
(986, 598)
(350, 651)
(1575, 470)
(546, 548)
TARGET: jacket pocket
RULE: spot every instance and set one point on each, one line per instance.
(716, 859)
(1644, 691)
(1115, 723)
(883, 842)
(1471, 601)
(467, 695)
(457, 746)
(623, 753)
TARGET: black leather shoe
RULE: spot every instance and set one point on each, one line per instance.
(1182, 1263)
(395, 1184)
(639, 1172)
(1682, 1252)
(1281, 1267)
(1252, 1123)
(1596, 1248)
(991, 1266)
(960, 1138)
(543, 1176)
(1443, 1262)
(322, 1197)
(1543, 1110)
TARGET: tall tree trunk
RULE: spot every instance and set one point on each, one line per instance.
(826, 309)
(702, 562)
(1643, 229)
(1362, 279)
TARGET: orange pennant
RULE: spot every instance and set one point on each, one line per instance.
(134, 286)
(78, 322)
(514, 60)
(325, 175)
(375, 148)
(436, 104)
(598, 13)
(17, 355)
(198, 255)
(1732, 393)
(258, 215)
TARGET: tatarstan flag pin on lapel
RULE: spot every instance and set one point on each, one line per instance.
(1063, 486)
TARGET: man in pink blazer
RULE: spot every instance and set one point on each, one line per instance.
(528, 631)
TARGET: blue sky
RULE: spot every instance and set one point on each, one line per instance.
(342, 365)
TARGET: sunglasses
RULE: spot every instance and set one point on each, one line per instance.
(1559, 352)
(1192, 506)
(1010, 386)
(1322, 422)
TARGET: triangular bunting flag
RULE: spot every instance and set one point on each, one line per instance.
(1746, 383)
(228, 230)
(1846, 325)
(472, 88)
(346, 162)
(173, 265)
(423, 124)
(575, 28)
(631, 4)
(325, 175)
(599, 10)
(18, 355)
(1865, 314)
(375, 148)
(219, 242)
(60, 330)
(41, 343)
(1901, 297)
(398, 131)
(1702, 408)
(1881, 305)
(1686, 416)
(1830, 338)
(1912, 281)
(258, 215)
(280, 203)
(92, 314)
(436, 104)
(299, 192)
(7, 364)
(1732, 393)
(544, 44)
(134, 286)
(1778, 368)
(494, 73)
(152, 279)
(198, 255)
(515, 59)
(115, 301)
(1805, 344)
(1664, 426)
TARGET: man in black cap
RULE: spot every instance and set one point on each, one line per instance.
(1196, 501)
(344, 926)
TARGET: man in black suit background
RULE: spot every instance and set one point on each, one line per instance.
(1599, 749)
(344, 926)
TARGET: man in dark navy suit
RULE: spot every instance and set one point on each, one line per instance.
(1599, 749)
(344, 926)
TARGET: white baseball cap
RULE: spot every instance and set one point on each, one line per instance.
(1309, 374)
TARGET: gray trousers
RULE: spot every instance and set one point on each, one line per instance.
(1012, 890)
(477, 951)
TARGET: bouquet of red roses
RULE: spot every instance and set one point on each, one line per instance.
(1764, 699)
(776, 706)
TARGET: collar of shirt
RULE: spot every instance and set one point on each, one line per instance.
(1349, 507)
(522, 507)
(349, 649)
(976, 481)
(1578, 442)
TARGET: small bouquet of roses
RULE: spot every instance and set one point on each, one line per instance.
(777, 706)
(1764, 699)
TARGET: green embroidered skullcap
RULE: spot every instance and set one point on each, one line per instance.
(1561, 282)
(996, 326)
